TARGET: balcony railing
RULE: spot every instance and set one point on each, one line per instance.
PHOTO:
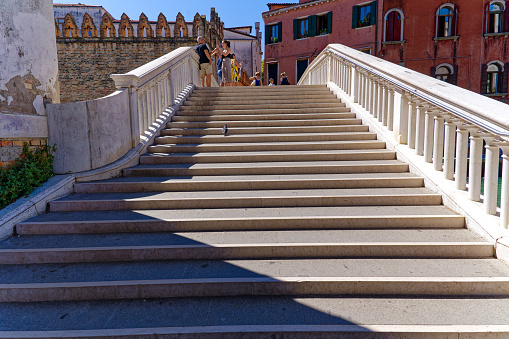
(446, 126)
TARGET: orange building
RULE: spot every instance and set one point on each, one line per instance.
(461, 42)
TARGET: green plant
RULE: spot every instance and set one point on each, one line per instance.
(25, 174)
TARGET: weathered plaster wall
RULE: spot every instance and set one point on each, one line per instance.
(28, 73)
(28, 58)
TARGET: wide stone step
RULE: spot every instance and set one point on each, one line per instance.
(265, 130)
(263, 182)
(247, 199)
(282, 218)
(264, 102)
(264, 115)
(332, 155)
(253, 138)
(304, 237)
(257, 147)
(246, 251)
(260, 90)
(301, 317)
(262, 168)
(255, 107)
(456, 277)
(198, 96)
(265, 123)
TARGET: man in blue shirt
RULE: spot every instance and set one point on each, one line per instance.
(205, 61)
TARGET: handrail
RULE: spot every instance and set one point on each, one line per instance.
(445, 102)
(445, 124)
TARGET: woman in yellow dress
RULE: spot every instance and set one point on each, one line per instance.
(235, 71)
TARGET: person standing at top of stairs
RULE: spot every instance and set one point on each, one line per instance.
(205, 61)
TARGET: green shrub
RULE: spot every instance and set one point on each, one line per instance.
(26, 173)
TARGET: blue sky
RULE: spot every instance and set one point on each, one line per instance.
(232, 13)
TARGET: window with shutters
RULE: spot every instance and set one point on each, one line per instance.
(446, 21)
(393, 25)
(303, 28)
(324, 24)
(364, 15)
(273, 33)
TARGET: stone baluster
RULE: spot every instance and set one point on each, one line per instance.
(460, 175)
(378, 102)
(362, 95)
(420, 121)
(438, 143)
(171, 95)
(376, 93)
(403, 118)
(449, 146)
(504, 197)
(411, 122)
(475, 165)
(428, 134)
(384, 118)
(355, 84)
(370, 94)
(491, 175)
(384, 101)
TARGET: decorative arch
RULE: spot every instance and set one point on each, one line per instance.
(198, 28)
(126, 28)
(162, 27)
(143, 25)
(446, 20)
(107, 27)
(393, 26)
(88, 28)
(69, 28)
(58, 33)
(180, 24)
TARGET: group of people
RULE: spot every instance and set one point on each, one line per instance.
(228, 67)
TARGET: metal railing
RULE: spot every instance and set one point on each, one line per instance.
(444, 124)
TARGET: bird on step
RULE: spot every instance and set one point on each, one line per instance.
(225, 129)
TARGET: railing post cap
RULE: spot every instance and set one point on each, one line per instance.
(125, 80)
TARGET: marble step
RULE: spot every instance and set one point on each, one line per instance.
(264, 115)
(232, 130)
(264, 168)
(263, 182)
(274, 138)
(246, 199)
(253, 219)
(267, 146)
(213, 157)
(265, 123)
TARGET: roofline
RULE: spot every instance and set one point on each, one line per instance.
(237, 32)
(294, 6)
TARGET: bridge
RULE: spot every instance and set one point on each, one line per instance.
(360, 203)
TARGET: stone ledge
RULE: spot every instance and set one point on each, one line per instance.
(35, 203)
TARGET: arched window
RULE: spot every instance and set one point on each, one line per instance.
(446, 21)
(394, 25)
(444, 73)
(496, 17)
(494, 79)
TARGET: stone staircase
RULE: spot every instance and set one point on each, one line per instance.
(296, 224)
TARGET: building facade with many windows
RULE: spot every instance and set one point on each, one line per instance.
(460, 42)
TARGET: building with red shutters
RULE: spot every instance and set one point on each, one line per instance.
(461, 42)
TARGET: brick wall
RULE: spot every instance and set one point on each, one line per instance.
(85, 64)
(11, 149)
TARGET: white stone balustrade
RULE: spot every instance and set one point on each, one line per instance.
(154, 86)
(446, 125)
